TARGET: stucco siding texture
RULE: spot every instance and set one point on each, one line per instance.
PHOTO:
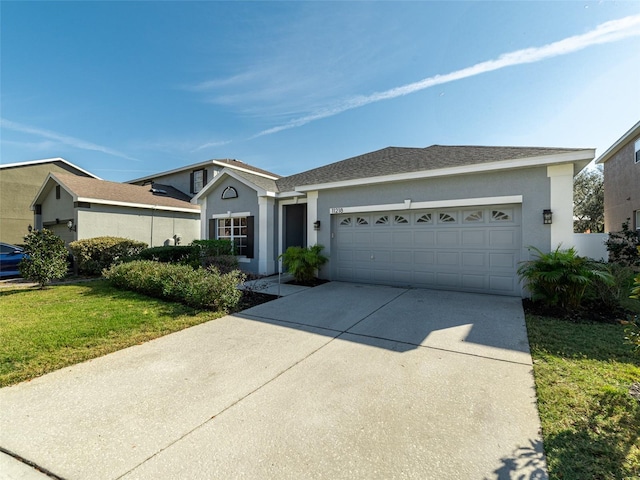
(621, 188)
(246, 202)
(18, 187)
(531, 183)
(154, 227)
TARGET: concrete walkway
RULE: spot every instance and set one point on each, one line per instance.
(337, 381)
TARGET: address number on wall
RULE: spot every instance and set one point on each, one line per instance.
(334, 210)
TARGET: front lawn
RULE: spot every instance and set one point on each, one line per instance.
(44, 330)
(590, 422)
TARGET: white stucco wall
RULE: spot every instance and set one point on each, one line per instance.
(154, 227)
(591, 245)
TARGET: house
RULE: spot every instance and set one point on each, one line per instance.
(19, 183)
(622, 181)
(191, 179)
(76, 207)
(450, 217)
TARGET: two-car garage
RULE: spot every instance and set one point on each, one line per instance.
(473, 249)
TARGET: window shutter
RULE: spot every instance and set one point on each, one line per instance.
(204, 177)
(250, 235)
(191, 182)
(212, 229)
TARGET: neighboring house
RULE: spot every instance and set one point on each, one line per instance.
(19, 183)
(76, 207)
(450, 217)
(191, 179)
(622, 181)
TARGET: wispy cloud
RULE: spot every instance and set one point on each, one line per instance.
(211, 144)
(64, 139)
(607, 32)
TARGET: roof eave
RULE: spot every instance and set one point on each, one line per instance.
(49, 160)
(117, 203)
(579, 156)
(621, 142)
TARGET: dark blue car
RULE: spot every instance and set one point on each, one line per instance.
(10, 257)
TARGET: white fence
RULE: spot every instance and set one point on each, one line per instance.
(591, 245)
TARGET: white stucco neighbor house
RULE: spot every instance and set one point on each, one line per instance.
(449, 217)
(75, 207)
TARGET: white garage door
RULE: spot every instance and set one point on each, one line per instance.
(473, 249)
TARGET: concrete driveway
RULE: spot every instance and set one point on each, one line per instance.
(338, 381)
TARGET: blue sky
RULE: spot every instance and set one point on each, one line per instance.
(126, 89)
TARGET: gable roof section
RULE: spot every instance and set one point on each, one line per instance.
(92, 190)
(398, 163)
(223, 163)
(263, 186)
(48, 160)
(631, 134)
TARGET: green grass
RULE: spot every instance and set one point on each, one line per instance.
(590, 423)
(44, 330)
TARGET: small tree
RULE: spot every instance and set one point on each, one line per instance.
(623, 246)
(46, 258)
(588, 202)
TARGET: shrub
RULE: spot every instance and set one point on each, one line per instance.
(302, 263)
(95, 254)
(200, 288)
(224, 263)
(561, 277)
(623, 246)
(186, 255)
(47, 257)
(611, 294)
(214, 248)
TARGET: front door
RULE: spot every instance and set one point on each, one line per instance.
(295, 225)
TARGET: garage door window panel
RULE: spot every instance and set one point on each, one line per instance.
(424, 218)
(475, 216)
(446, 218)
(501, 215)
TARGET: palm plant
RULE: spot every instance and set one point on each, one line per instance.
(302, 262)
(561, 277)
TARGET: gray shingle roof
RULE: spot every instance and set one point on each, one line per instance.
(395, 160)
(92, 188)
(258, 180)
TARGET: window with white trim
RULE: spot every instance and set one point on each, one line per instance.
(637, 151)
(236, 230)
(198, 180)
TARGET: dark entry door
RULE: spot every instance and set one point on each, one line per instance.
(295, 225)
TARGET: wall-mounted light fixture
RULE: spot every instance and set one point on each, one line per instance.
(30, 228)
(71, 226)
(316, 225)
(547, 217)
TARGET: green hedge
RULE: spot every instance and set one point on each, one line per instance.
(200, 288)
(214, 248)
(183, 254)
(95, 254)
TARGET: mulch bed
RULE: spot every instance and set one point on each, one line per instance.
(588, 312)
(312, 283)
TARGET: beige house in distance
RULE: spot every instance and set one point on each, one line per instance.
(622, 181)
(19, 183)
(74, 208)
